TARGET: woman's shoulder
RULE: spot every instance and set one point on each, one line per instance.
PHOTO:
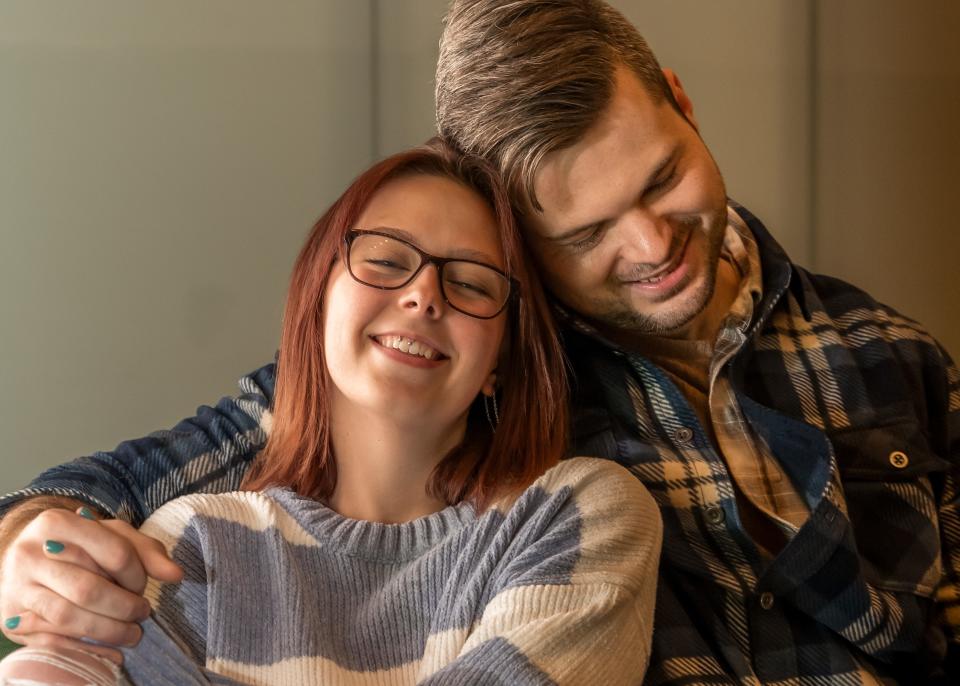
(199, 512)
(592, 520)
(597, 485)
(605, 500)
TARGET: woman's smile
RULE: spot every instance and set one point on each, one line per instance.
(410, 351)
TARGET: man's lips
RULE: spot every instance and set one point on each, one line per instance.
(660, 275)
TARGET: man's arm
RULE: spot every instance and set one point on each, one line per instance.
(206, 453)
(89, 583)
(948, 593)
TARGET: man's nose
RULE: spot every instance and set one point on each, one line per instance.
(645, 238)
(423, 295)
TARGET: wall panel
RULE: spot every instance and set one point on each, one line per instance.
(162, 163)
(888, 179)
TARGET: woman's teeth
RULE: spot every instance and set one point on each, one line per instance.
(408, 346)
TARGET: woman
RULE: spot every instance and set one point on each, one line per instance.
(409, 520)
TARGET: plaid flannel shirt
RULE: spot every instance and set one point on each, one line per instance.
(861, 406)
(862, 409)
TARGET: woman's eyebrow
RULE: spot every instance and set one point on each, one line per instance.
(457, 253)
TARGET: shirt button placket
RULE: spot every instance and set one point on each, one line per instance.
(766, 600)
(714, 515)
(899, 459)
(683, 435)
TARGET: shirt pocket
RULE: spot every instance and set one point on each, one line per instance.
(890, 481)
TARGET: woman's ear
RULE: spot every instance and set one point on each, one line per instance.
(489, 387)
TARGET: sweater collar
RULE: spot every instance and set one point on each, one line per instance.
(373, 541)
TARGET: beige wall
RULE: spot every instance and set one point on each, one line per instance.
(746, 66)
(159, 174)
(888, 154)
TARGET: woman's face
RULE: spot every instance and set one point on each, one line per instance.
(406, 353)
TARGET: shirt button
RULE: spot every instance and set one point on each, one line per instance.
(899, 459)
(714, 514)
(766, 600)
(683, 435)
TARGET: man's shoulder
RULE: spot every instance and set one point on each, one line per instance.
(837, 295)
(827, 300)
(856, 314)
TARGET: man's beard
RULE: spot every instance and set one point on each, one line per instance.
(668, 320)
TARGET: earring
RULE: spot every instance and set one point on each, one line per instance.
(495, 419)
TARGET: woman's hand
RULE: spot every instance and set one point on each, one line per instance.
(67, 576)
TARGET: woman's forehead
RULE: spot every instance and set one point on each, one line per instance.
(437, 214)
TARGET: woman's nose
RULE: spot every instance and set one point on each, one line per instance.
(424, 294)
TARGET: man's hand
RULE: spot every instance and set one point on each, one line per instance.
(67, 576)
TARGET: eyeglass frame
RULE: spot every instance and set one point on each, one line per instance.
(428, 259)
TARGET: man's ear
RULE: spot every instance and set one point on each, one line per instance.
(680, 95)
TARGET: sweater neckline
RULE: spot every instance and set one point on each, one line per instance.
(374, 541)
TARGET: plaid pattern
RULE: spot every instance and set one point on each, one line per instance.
(208, 453)
(756, 471)
(859, 404)
(862, 409)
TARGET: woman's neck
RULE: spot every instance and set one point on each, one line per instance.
(383, 466)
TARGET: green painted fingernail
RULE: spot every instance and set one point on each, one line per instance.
(86, 513)
(12, 623)
(53, 547)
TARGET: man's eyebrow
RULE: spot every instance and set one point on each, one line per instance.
(456, 253)
(665, 164)
(658, 171)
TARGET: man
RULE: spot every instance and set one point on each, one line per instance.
(800, 438)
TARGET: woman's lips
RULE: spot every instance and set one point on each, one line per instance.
(412, 359)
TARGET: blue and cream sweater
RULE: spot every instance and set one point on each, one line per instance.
(554, 586)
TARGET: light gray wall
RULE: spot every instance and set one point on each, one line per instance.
(162, 162)
(160, 173)
(408, 35)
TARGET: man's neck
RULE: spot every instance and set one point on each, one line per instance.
(706, 325)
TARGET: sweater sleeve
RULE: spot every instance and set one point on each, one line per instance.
(207, 453)
(173, 648)
(573, 603)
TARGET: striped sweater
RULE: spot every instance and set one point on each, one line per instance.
(554, 586)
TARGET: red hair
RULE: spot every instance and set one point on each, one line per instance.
(531, 435)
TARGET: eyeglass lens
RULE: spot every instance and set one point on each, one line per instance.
(385, 262)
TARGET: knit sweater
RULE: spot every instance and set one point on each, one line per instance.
(556, 585)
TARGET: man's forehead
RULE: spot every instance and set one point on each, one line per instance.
(608, 166)
(579, 187)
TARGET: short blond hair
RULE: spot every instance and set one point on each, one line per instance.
(519, 79)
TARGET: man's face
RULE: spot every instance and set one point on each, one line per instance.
(633, 216)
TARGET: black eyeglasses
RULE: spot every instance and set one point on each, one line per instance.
(383, 261)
